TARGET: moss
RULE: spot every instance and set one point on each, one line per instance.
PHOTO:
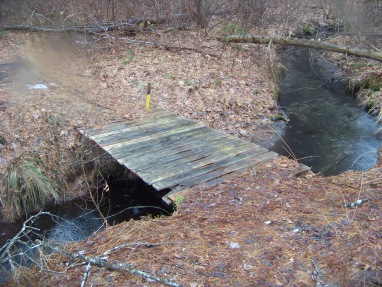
(232, 28)
(370, 105)
(356, 65)
(307, 29)
(375, 87)
(280, 117)
(275, 91)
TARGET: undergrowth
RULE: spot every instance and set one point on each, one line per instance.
(25, 187)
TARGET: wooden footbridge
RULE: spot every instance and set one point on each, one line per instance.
(173, 153)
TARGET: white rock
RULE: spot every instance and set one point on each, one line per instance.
(234, 245)
(38, 87)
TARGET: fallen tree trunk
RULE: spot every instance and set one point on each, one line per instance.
(80, 28)
(314, 44)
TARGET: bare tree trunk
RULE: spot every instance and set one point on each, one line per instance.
(314, 44)
(201, 17)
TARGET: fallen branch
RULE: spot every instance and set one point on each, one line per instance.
(7, 249)
(131, 25)
(136, 24)
(301, 43)
(121, 267)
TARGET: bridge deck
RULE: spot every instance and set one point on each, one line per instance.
(172, 152)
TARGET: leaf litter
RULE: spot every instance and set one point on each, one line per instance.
(266, 227)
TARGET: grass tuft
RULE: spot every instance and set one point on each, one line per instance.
(25, 188)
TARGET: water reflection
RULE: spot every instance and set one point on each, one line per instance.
(327, 130)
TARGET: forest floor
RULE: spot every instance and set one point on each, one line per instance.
(266, 227)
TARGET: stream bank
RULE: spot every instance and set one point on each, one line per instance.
(327, 129)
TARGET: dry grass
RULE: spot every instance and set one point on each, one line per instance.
(263, 229)
(25, 187)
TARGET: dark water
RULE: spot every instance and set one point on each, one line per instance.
(77, 219)
(327, 130)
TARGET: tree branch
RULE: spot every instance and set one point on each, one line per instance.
(103, 27)
(122, 267)
(301, 43)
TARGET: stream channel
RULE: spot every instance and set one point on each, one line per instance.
(77, 219)
(327, 129)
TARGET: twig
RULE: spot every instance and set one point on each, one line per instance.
(145, 244)
(7, 247)
(355, 203)
(122, 267)
(96, 204)
(78, 94)
(86, 274)
(316, 274)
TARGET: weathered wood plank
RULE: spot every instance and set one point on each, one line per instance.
(196, 137)
(190, 161)
(125, 140)
(173, 180)
(130, 147)
(149, 125)
(184, 153)
(176, 142)
(192, 164)
(236, 166)
(209, 147)
(167, 155)
(134, 133)
(170, 197)
(122, 124)
(182, 190)
(169, 151)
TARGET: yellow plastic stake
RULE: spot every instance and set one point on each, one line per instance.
(148, 98)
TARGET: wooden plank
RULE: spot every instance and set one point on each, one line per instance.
(210, 147)
(125, 139)
(180, 140)
(207, 140)
(182, 167)
(301, 170)
(136, 132)
(184, 153)
(151, 159)
(178, 143)
(131, 123)
(152, 124)
(170, 197)
(153, 175)
(129, 147)
(169, 151)
(172, 180)
(194, 165)
(234, 167)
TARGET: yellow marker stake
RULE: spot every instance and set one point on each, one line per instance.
(148, 97)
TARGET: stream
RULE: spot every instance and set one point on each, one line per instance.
(78, 219)
(327, 130)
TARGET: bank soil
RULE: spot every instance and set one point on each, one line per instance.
(266, 227)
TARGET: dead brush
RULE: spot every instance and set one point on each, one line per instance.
(25, 188)
(24, 276)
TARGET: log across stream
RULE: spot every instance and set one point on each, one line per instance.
(327, 129)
